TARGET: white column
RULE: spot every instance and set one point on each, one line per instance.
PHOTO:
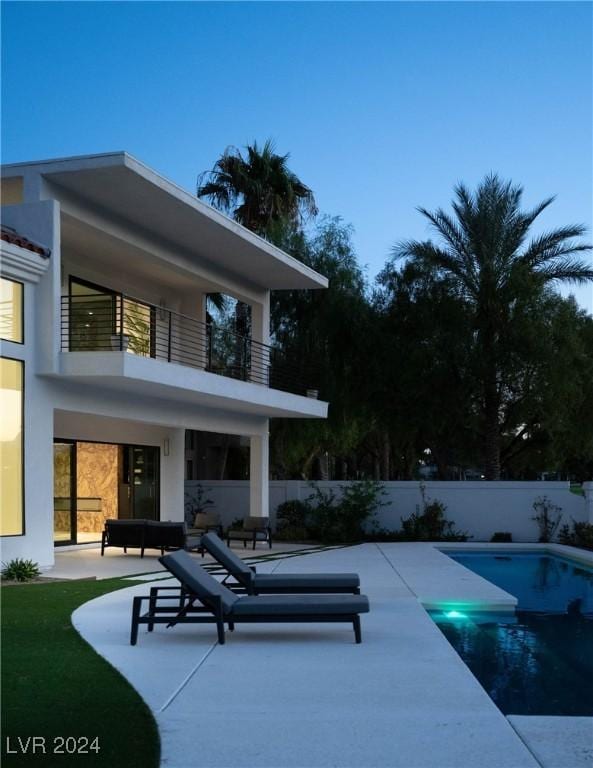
(259, 487)
(172, 485)
(260, 332)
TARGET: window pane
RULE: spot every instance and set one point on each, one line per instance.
(11, 310)
(11, 447)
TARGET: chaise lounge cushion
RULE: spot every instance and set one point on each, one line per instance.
(193, 576)
(307, 605)
(262, 582)
(319, 581)
(227, 558)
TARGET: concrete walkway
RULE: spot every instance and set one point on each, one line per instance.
(305, 696)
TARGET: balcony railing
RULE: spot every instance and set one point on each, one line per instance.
(104, 322)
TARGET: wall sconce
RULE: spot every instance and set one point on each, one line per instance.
(166, 446)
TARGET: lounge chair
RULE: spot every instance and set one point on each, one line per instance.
(201, 599)
(253, 583)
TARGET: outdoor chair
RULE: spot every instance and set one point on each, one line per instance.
(201, 599)
(253, 583)
(254, 529)
(205, 522)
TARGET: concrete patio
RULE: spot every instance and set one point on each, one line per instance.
(87, 563)
(305, 696)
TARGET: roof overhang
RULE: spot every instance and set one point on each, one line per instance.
(120, 185)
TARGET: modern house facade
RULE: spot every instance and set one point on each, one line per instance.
(109, 355)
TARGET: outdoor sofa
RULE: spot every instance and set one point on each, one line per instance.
(146, 534)
(201, 599)
(248, 580)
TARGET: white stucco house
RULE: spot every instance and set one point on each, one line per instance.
(108, 355)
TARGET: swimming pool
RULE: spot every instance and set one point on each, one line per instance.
(538, 661)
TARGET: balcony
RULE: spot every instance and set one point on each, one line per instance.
(114, 322)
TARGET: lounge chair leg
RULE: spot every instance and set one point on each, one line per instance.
(231, 626)
(357, 632)
(220, 628)
(135, 616)
(125, 550)
(151, 607)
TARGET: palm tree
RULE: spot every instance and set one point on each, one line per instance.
(258, 190)
(483, 249)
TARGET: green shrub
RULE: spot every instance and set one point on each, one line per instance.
(20, 570)
(581, 535)
(291, 520)
(430, 524)
(502, 537)
(343, 519)
(548, 518)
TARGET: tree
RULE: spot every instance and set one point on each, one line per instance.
(258, 190)
(329, 332)
(483, 251)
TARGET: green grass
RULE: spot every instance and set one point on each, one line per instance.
(54, 684)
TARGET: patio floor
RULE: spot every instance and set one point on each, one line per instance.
(306, 696)
(86, 562)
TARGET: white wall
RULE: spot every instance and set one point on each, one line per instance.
(480, 508)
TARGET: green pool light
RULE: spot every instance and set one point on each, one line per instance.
(455, 615)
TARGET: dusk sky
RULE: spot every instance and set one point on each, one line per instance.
(383, 107)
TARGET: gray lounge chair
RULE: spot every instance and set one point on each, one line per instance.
(202, 599)
(253, 583)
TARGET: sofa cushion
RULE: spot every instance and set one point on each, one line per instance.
(164, 534)
(125, 533)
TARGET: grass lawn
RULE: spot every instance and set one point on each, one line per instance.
(55, 685)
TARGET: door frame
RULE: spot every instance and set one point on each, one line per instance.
(73, 492)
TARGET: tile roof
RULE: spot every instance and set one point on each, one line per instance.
(10, 235)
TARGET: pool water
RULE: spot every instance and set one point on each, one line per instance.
(538, 661)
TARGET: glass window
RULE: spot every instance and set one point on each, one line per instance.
(11, 310)
(11, 447)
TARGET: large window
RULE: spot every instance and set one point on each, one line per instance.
(11, 447)
(11, 310)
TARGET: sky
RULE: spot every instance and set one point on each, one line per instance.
(383, 107)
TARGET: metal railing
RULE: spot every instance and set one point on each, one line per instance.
(102, 322)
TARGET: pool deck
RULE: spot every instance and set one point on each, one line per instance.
(306, 696)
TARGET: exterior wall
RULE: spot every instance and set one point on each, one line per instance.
(171, 441)
(480, 508)
(11, 190)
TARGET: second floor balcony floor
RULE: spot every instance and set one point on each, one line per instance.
(109, 333)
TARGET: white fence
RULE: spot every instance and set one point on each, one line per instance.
(479, 508)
